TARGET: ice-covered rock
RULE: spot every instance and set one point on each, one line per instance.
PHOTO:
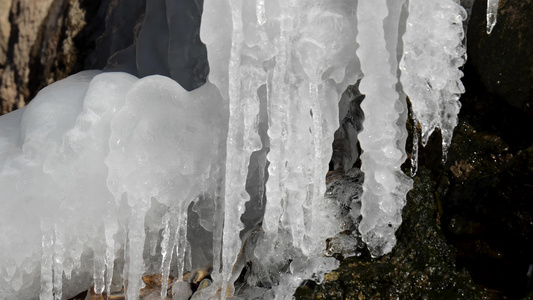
(108, 176)
(93, 153)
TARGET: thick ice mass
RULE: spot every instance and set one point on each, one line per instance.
(107, 177)
(385, 186)
(430, 73)
(88, 174)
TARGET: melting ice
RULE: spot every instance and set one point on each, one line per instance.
(106, 177)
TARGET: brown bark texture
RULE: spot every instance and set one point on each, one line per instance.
(42, 41)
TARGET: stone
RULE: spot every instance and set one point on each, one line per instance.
(5, 28)
(41, 42)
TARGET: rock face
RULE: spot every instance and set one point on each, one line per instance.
(23, 22)
(5, 27)
(486, 185)
(40, 42)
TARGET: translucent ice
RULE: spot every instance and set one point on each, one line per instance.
(385, 186)
(492, 14)
(86, 168)
(430, 73)
(296, 58)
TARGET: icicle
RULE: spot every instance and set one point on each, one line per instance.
(47, 280)
(124, 270)
(99, 249)
(111, 229)
(430, 74)
(167, 249)
(218, 227)
(59, 251)
(99, 266)
(136, 236)
(492, 14)
(414, 153)
(245, 76)
(316, 185)
(174, 239)
(385, 186)
(278, 127)
(181, 240)
(237, 148)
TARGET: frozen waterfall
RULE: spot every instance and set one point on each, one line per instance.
(107, 177)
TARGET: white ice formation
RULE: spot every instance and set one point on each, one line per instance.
(492, 14)
(385, 186)
(430, 74)
(106, 177)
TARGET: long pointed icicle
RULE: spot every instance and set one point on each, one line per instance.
(47, 281)
(492, 14)
(385, 186)
(278, 110)
(134, 252)
(243, 139)
(59, 251)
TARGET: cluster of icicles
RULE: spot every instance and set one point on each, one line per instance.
(107, 177)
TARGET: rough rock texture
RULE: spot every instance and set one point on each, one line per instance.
(488, 213)
(487, 184)
(5, 27)
(19, 36)
(46, 40)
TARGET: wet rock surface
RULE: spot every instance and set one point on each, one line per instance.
(421, 266)
(486, 186)
(488, 217)
(486, 189)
